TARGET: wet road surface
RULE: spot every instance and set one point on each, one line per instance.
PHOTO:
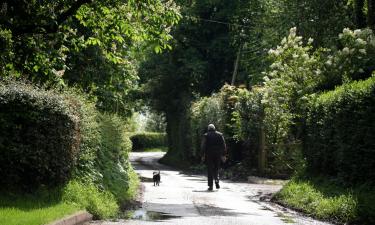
(183, 199)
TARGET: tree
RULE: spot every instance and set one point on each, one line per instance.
(39, 35)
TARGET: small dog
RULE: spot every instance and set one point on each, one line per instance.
(156, 178)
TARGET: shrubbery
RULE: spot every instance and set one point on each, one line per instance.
(340, 138)
(51, 138)
(39, 136)
(148, 140)
(103, 168)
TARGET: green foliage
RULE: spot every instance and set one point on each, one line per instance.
(95, 147)
(155, 122)
(101, 204)
(248, 119)
(325, 199)
(40, 35)
(112, 159)
(216, 109)
(103, 159)
(248, 115)
(148, 140)
(340, 133)
(203, 112)
(39, 136)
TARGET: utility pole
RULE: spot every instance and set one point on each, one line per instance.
(236, 64)
(371, 14)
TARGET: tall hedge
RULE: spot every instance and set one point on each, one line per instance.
(39, 136)
(340, 133)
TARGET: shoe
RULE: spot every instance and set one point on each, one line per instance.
(217, 185)
(210, 189)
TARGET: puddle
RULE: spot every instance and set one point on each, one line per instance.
(285, 218)
(145, 215)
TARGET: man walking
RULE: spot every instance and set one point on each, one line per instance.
(213, 146)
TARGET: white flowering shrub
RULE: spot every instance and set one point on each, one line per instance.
(354, 58)
(292, 76)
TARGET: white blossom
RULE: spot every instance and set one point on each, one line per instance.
(357, 32)
(363, 51)
(283, 41)
(347, 31)
(360, 41)
(346, 50)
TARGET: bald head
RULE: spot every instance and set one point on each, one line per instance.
(211, 127)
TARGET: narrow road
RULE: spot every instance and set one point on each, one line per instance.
(183, 199)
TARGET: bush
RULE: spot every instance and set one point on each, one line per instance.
(112, 158)
(39, 136)
(103, 160)
(148, 140)
(340, 137)
(47, 138)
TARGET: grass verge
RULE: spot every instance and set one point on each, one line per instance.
(33, 209)
(324, 199)
(45, 206)
(158, 149)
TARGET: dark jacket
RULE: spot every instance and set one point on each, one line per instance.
(213, 143)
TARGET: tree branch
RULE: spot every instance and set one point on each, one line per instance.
(46, 28)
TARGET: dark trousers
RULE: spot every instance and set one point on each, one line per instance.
(213, 163)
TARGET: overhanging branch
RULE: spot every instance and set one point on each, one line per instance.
(45, 28)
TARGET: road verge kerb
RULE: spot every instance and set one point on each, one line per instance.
(77, 218)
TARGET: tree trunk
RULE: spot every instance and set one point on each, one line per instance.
(179, 142)
(360, 18)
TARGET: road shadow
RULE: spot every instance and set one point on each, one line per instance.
(189, 210)
(205, 191)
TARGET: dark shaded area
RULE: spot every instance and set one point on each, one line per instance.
(42, 198)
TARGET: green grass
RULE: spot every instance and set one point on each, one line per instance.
(324, 199)
(101, 204)
(159, 149)
(36, 209)
(45, 206)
